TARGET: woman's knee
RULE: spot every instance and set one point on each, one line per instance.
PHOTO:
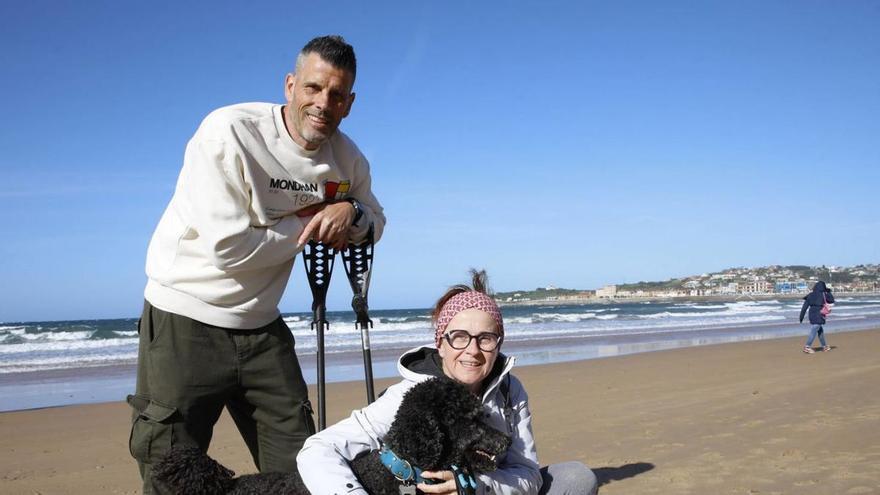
(569, 478)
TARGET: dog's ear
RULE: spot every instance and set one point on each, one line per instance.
(418, 437)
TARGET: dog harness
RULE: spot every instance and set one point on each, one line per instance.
(409, 476)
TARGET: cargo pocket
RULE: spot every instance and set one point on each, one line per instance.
(152, 429)
(157, 324)
(307, 413)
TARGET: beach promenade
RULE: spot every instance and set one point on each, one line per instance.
(744, 418)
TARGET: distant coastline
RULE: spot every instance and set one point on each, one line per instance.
(584, 301)
(732, 284)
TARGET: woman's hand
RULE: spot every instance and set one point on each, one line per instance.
(447, 487)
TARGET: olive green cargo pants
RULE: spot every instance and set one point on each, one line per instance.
(188, 371)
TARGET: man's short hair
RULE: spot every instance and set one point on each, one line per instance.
(333, 49)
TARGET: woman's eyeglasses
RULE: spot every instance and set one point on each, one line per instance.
(460, 339)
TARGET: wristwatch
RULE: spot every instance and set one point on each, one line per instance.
(358, 211)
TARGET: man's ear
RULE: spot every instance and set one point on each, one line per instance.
(349, 104)
(289, 84)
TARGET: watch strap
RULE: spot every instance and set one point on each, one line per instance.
(358, 211)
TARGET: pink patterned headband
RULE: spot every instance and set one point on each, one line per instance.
(462, 301)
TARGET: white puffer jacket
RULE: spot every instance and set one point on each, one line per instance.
(323, 459)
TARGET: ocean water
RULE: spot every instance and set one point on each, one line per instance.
(91, 360)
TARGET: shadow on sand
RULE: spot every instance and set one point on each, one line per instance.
(608, 474)
(820, 349)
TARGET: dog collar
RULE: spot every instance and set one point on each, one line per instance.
(407, 474)
(400, 468)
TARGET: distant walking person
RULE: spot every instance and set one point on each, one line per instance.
(259, 180)
(817, 302)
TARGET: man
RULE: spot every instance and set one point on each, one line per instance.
(258, 181)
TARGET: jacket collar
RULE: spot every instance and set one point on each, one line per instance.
(415, 365)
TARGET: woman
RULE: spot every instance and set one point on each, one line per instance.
(469, 331)
(815, 301)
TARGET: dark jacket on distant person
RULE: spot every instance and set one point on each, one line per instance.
(814, 300)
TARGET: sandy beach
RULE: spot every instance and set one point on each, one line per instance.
(745, 418)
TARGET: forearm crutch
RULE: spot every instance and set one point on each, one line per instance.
(358, 262)
(318, 259)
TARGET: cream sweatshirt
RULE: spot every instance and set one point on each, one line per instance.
(224, 248)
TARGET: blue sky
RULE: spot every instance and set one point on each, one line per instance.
(569, 143)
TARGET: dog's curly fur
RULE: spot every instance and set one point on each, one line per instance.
(439, 424)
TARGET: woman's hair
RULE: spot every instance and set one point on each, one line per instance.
(479, 283)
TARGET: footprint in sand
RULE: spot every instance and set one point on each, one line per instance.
(794, 454)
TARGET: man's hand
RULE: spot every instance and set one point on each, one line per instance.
(447, 487)
(310, 210)
(330, 225)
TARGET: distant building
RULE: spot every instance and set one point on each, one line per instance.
(730, 288)
(757, 287)
(609, 291)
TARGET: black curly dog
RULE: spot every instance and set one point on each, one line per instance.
(439, 424)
